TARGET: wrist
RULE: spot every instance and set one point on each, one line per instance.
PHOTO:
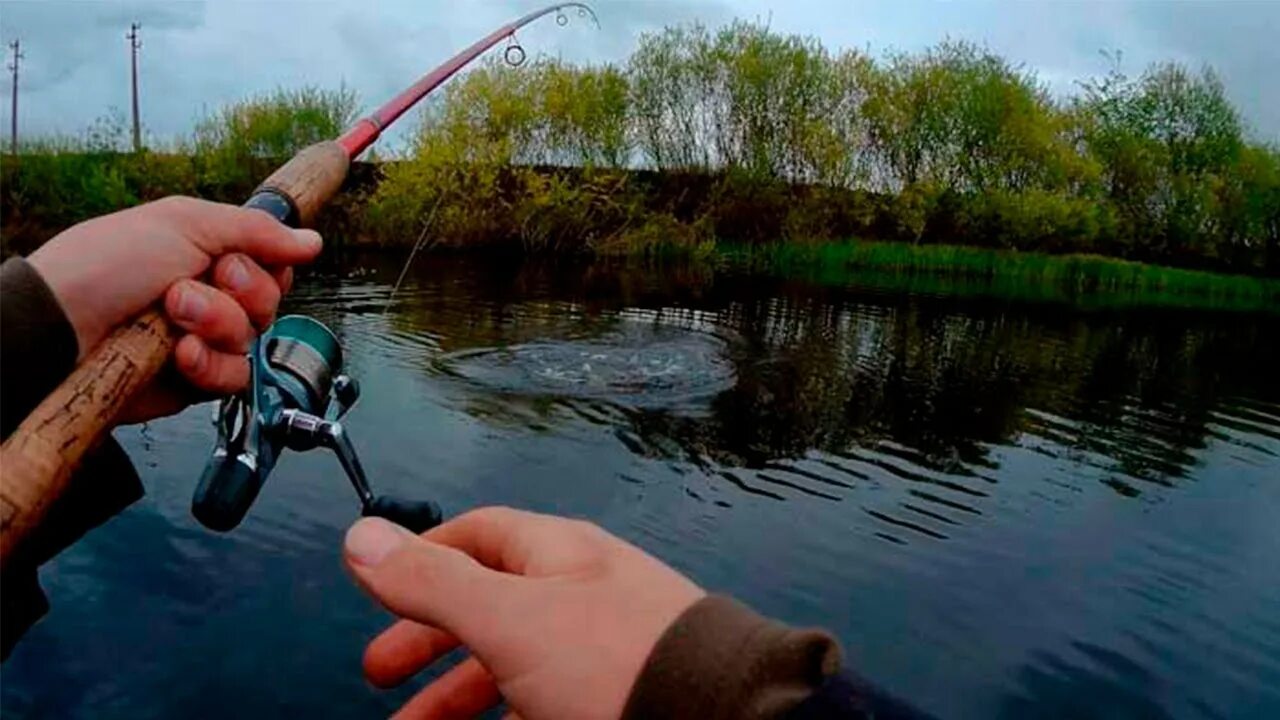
(72, 283)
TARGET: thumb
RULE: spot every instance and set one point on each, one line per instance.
(422, 580)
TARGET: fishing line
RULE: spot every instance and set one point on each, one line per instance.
(408, 262)
(514, 55)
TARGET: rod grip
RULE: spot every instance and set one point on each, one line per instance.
(308, 180)
(38, 459)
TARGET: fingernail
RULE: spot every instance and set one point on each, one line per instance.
(236, 275)
(308, 238)
(372, 539)
(191, 305)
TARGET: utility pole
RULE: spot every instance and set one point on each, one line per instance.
(134, 43)
(16, 47)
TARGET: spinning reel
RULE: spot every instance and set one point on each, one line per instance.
(296, 399)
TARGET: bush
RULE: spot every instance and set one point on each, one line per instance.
(236, 146)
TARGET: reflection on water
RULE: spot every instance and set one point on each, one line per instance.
(1005, 509)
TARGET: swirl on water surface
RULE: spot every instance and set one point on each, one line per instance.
(638, 365)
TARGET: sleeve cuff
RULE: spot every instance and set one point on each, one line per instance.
(720, 659)
(40, 346)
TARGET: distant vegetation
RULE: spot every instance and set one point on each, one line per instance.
(58, 181)
(758, 137)
(746, 136)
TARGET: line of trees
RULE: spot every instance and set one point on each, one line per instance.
(743, 135)
(952, 144)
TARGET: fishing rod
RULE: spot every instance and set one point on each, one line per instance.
(297, 394)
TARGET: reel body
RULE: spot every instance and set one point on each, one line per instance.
(296, 399)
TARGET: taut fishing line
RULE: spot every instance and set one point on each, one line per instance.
(416, 246)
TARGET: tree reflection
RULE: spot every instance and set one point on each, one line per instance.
(937, 382)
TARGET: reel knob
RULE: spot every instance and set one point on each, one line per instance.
(417, 516)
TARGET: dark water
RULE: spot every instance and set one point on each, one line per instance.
(1004, 510)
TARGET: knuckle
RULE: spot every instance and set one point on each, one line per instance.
(495, 514)
(259, 223)
(179, 204)
(230, 325)
(232, 373)
(484, 519)
(587, 530)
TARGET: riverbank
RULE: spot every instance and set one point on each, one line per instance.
(949, 269)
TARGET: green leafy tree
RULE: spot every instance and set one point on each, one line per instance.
(236, 143)
(1169, 144)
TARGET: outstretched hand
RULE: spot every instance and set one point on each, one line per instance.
(559, 616)
(220, 270)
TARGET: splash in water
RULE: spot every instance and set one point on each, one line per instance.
(641, 366)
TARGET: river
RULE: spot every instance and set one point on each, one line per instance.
(1004, 508)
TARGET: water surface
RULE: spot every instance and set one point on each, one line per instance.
(1003, 508)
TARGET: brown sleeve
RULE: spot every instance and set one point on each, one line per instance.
(38, 349)
(720, 659)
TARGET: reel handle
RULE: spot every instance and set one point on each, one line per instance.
(416, 516)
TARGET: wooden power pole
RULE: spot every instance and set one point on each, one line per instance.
(134, 43)
(16, 47)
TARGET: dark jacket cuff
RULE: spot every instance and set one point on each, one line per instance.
(39, 344)
(720, 659)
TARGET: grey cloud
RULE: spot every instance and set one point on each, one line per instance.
(1239, 39)
(61, 39)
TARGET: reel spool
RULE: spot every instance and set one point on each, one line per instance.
(296, 398)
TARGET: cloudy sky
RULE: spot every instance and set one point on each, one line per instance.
(199, 55)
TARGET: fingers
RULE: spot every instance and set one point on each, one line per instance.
(249, 285)
(402, 650)
(218, 229)
(425, 581)
(284, 278)
(464, 692)
(501, 538)
(212, 371)
(167, 395)
(520, 542)
(213, 315)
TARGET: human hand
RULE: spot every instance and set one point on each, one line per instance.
(559, 615)
(107, 270)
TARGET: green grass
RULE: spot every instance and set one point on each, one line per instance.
(1080, 279)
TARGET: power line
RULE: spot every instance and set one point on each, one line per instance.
(134, 44)
(16, 47)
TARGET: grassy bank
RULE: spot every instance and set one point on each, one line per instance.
(1028, 275)
(56, 181)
